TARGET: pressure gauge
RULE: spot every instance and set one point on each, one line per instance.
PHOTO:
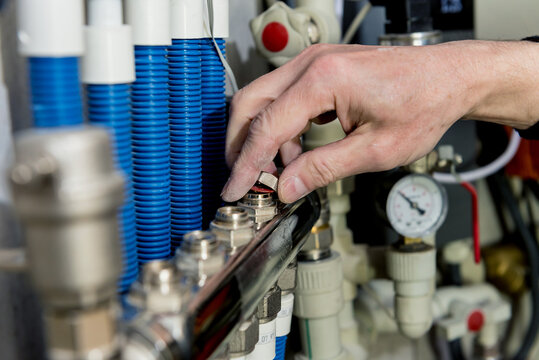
(416, 206)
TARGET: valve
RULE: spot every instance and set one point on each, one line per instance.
(280, 33)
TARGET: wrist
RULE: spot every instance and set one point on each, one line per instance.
(503, 80)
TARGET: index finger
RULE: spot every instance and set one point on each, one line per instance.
(279, 122)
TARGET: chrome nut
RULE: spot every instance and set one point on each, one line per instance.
(79, 333)
(261, 207)
(160, 288)
(232, 226)
(200, 256)
(270, 305)
(287, 280)
(321, 237)
(245, 338)
(269, 180)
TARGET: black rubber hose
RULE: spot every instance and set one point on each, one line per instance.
(530, 247)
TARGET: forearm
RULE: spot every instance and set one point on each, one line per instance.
(504, 79)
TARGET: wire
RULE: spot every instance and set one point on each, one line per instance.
(530, 247)
(475, 220)
(486, 170)
(352, 29)
(228, 70)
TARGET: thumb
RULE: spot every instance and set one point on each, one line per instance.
(325, 165)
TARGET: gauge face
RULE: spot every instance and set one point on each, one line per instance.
(416, 206)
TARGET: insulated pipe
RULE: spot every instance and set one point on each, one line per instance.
(214, 122)
(231, 296)
(107, 69)
(50, 34)
(185, 111)
(150, 21)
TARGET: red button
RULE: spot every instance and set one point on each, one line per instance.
(275, 37)
(475, 320)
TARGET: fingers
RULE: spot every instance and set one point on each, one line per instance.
(354, 154)
(277, 124)
(249, 101)
(290, 150)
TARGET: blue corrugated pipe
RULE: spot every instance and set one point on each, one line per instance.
(109, 106)
(185, 111)
(55, 91)
(280, 347)
(151, 169)
(213, 128)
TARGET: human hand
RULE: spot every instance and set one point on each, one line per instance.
(394, 104)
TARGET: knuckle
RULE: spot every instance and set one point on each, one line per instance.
(321, 171)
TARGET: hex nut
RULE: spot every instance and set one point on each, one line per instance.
(261, 207)
(232, 226)
(245, 338)
(159, 288)
(78, 333)
(269, 180)
(287, 280)
(270, 305)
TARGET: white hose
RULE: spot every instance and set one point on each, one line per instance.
(352, 29)
(486, 170)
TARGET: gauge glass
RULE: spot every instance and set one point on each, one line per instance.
(416, 206)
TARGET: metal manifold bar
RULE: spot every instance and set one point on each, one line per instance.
(231, 297)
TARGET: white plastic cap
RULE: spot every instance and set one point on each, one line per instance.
(150, 21)
(105, 12)
(220, 19)
(189, 19)
(50, 28)
(186, 19)
(109, 56)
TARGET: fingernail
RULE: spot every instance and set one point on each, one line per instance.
(292, 189)
(224, 193)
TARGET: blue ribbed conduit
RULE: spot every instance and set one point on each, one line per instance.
(213, 128)
(185, 111)
(150, 136)
(280, 347)
(109, 106)
(55, 91)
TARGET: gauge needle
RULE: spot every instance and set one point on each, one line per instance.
(413, 204)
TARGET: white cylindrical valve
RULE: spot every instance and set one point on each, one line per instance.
(413, 274)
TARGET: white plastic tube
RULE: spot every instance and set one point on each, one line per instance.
(265, 348)
(486, 170)
(105, 12)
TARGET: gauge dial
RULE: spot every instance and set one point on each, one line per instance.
(416, 206)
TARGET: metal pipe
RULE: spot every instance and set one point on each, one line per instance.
(231, 296)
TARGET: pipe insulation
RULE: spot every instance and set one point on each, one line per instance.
(108, 70)
(50, 34)
(185, 118)
(214, 123)
(150, 126)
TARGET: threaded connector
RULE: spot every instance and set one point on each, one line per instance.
(232, 227)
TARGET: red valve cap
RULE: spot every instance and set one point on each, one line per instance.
(275, 36)
(476, 319)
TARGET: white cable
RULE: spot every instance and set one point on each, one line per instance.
(486, 170)
(352, 29)
(208, 22)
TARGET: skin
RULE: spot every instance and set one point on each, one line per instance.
(394, 104)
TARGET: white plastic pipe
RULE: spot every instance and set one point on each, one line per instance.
(265, 348)
(320, 338)
(105, 12)
(486, 170)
